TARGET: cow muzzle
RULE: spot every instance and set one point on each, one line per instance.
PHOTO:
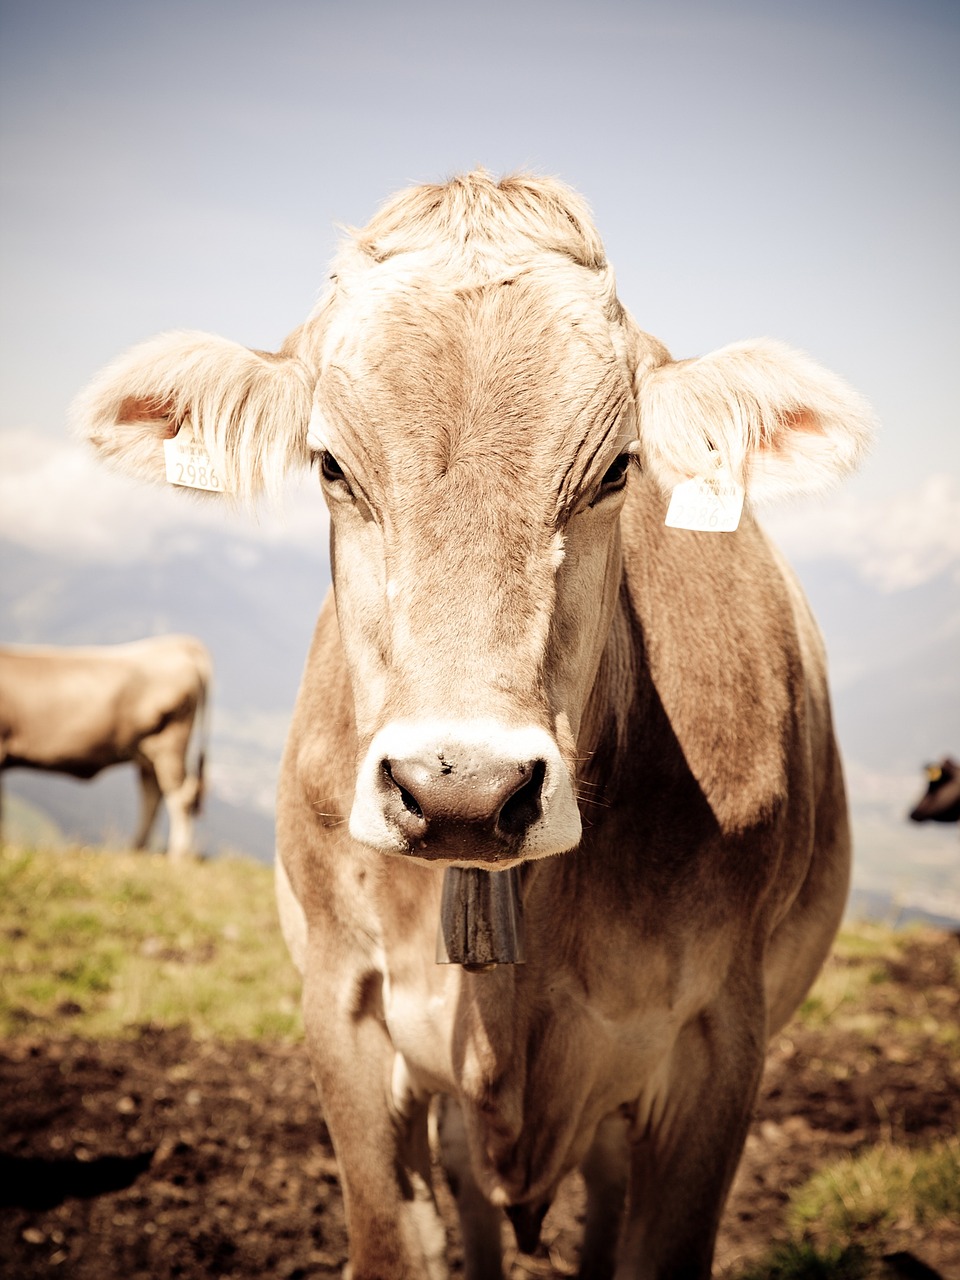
(470, 793)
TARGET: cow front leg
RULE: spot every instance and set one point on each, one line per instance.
(165, 754)
(480, 1222)
(378, 1126)
(683, 1162)
(605, 1174)
(179, 804)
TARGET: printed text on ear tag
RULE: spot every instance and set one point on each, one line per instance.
(711, 505)
(188, 463)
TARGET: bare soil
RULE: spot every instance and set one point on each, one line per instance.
(165, 1156)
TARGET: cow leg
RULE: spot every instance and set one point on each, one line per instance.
(605, 1174)
(179, 804)
(149, 803)
(165, 753)
(480, 1221)
(682, 1167)
(378, 1127)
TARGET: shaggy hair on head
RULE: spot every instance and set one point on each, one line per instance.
(475, 215)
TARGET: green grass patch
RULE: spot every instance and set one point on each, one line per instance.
(840, 1221)
(98, 944)
(859, 960)
(850, 993)
(886, 1185)
(801, 1260)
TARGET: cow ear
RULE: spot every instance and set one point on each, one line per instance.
(251, 409)
(777, 421)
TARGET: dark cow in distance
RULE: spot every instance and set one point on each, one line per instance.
(941, 800)
(79, 710)
(528, 688)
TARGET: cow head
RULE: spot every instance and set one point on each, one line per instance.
(941, 800)
(475, 399)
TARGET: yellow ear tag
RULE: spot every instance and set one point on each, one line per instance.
(188, 463)
(709, 504)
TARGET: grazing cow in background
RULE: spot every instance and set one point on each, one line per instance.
(78, 711)
(528, 688)
(941, 801)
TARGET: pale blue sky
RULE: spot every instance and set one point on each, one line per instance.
(788, 168)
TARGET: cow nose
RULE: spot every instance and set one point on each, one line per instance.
(495, 798)
(470, 792)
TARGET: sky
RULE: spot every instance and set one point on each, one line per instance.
(783, 168)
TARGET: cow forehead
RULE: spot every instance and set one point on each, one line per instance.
(414, 288)
(529, 364)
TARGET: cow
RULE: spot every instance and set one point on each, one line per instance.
(80, 710)
(941, 800)
(595, 746)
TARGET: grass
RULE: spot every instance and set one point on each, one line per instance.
(864, 956)
(859, 1201)
(860, 959)
(885, 1185)
(839, 1224)
(98, 944)
(801, 1260)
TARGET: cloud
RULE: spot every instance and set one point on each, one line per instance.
(56, 498)
(893, 542)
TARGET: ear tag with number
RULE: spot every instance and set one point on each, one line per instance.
(709, 504)
(188, 463)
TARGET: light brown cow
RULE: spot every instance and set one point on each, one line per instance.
(80, 710)
(522, 667)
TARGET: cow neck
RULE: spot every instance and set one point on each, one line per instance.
(606, 726)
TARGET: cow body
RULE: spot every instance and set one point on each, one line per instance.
(522, 667)
(80, 710)
(661, 953)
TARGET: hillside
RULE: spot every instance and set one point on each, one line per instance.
(161, 1119)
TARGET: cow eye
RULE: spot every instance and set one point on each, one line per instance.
(615, 476)
(332, 471)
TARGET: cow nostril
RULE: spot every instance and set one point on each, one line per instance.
(407, 798)
(504, 800)
(524, 807)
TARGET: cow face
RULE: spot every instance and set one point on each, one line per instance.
(474, 446)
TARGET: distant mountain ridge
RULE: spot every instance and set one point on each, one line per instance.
(895, 679)
(56, 810)
(254, 606)
(894, 666)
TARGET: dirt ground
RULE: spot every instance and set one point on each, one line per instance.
(169, 1157)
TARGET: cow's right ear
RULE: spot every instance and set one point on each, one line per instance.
(251, 409)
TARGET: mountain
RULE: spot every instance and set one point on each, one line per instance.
(894, 666)
(254, 606)
(54, 810)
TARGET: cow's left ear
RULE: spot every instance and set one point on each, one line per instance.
(250, 409)
(777, 421)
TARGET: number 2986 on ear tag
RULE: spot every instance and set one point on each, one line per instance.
(188, 463)
(709, 505)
